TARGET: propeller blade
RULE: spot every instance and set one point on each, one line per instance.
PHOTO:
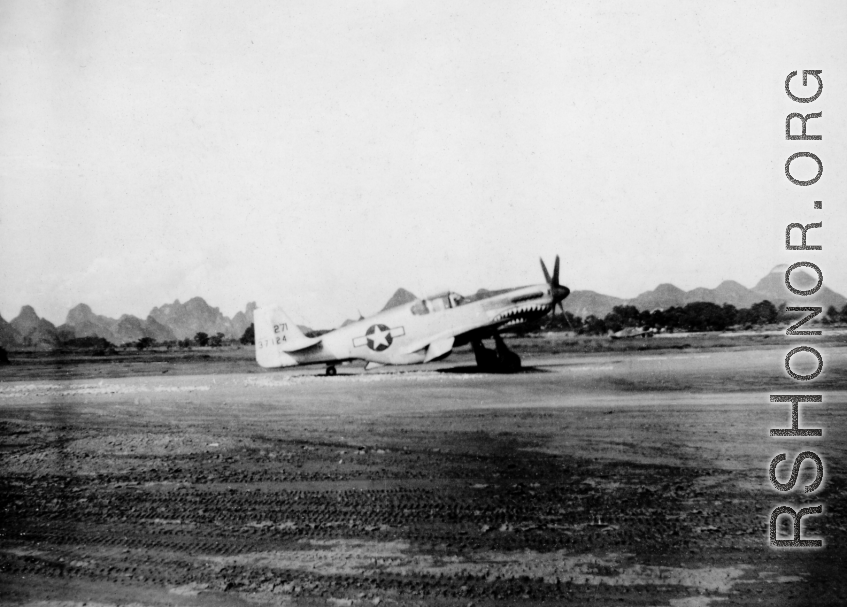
(546, 273)
(556, 272)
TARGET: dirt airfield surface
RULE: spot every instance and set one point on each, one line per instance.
(629, 477)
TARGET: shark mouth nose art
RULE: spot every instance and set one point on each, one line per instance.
(518, 314)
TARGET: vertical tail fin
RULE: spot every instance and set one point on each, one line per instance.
(276, 335)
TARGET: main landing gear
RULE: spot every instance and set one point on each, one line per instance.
(330, 371)
(499, 360)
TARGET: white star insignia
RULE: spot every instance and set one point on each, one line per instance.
(379, 337)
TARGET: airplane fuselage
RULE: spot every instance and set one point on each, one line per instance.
(420, 331)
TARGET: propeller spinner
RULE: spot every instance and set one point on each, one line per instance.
(558, 291)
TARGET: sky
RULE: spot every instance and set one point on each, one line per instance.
(319, 155)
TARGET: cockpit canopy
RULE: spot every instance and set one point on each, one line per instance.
(437, 303)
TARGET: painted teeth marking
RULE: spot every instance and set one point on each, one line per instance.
(515, 315)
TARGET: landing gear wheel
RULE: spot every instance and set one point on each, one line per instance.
(502, 360)
(331, 372)
(486, 360)
(508, 361)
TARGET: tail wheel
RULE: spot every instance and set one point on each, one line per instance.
(331, 371)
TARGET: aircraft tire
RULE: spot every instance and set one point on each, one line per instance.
(331, 371)
(489, 364)
(510, 362)
(487, 360)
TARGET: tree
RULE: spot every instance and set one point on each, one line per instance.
(201, 339)
(746, 317)
(249, 336)
(658, 320)
(730, 315)
(765, 312)
(625, 316)
(217, 340)
(593, 325)
(613, 321)
(713, 317)
(629, 316)
(670, 319)
(144, 343)
(88, 342)
(184, 343)
(573, 322)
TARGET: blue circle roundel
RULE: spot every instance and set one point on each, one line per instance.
(379, 337)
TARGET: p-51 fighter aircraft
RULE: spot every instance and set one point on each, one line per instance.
(418, 332)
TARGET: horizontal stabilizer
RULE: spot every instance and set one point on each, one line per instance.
(305, 343)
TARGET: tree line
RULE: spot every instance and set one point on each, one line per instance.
(200, 339)
(100, 345)
(695, 316)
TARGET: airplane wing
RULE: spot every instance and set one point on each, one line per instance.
(438, 342)
(302, 344)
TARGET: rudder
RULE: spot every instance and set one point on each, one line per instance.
(276, 335)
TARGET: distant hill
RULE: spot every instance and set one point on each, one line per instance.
(401, 296)
(772, 287)
(35, 331)
(165, 323)
(83, 322)
(195, 315)
(130, 328)
(242, 320)
(663, 296)
(585, 303)
(8, 336)
(153, 328)
(728, 291)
